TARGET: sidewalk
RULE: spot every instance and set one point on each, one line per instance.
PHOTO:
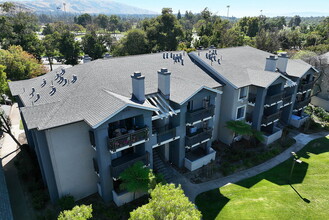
(9, 149)
(192, 190)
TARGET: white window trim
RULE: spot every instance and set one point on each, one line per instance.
(244, 112)
(247, 93)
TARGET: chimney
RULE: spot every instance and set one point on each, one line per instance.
(282, 62)
(86, 58)
(138, 85)
(271, 63)
(164, 82)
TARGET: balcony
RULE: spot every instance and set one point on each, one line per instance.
(301, 104)
(165, 133)
(249, 118)
(267, 119)
(120, 164)
(252, 98)
(132, 137)
(270, 138)
(198, 137)
(286, 100)
(298, 121)
(305, 86)
(125, 197)
(199, 114)
(198, 158)
(272, 99)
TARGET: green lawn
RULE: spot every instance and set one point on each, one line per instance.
(269, 196)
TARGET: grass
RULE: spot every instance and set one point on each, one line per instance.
(269, 196)
(21, 125)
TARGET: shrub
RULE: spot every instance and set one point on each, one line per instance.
(66, 202)
(39, 199)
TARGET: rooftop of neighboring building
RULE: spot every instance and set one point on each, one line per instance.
(244, 66)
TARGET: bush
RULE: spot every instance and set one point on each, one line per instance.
(66, 202)
(39, 199)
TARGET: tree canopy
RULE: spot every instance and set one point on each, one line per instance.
(167, 202)
(81, 212)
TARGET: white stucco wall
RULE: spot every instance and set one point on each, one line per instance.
(71, 155)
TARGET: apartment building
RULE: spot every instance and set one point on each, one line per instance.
(88, 123)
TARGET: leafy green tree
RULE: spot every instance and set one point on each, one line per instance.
(69, 48)
(135, 42)
(3, 81)
(50, 43)
(295, 21)
(268, 41)
(93, 45)
(167, 202)
(113, 23)
(83, 19)
(81, 212)
(137, 178)
(179, 16)
(242, 128)
(20, 64)
(102, 21)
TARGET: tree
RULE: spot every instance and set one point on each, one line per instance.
(268, 41)
(93, 45)
(113, 22)
(69, 48)
(134, 42)
(242, 128)
(83, 19)
(5, 127)
(81, 212)
(20, 64)
(50, 43)
(3, 81)
(102, 21)
(179, 16)
(167, 202)
(136, 178)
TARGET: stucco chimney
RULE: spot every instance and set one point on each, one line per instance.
(164, 82)
(271, 63)
(138, 86)
(282, 62)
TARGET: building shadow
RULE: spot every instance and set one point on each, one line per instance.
(212, 205)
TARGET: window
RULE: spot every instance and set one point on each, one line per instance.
(240, 114)
(190, 105)
(243, 93)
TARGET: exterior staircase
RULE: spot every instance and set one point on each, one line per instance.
(159, 166)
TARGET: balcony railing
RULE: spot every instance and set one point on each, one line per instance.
(305, 86)
(286, 99)
(120, 164)
(270, 118)
(249, 117)
(301, 104)
(199, 114)
(252, 98)
(270, 99)
(127, 139)
(165, 134)
(198, 137)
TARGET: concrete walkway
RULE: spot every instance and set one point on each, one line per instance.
(192, 190)
(20, 207)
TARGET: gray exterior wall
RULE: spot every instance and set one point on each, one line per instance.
(104, 157)
(71, 157)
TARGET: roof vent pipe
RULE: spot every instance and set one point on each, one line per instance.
(86, 58)
(138, 86)
(270, 64)
(164, 82)
(282, 62)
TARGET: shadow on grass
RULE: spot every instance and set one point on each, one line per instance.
(280, 174)
(211, 203)
(300, 196)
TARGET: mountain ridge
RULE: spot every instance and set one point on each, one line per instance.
(82, 6)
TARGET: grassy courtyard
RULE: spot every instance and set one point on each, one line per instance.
(270, 196)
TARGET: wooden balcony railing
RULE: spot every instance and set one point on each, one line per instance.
(270, 118)
(305, 86)
(301, 104)
(120, 164)
(198, 136)
(127, 139)
(270, 99)
(199, 114)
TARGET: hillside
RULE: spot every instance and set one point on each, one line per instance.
(83, 6)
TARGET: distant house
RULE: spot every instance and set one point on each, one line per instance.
(90, 122)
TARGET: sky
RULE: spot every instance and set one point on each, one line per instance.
(238, 8)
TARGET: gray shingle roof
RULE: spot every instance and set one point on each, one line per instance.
(243, 66)
(103, 87)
